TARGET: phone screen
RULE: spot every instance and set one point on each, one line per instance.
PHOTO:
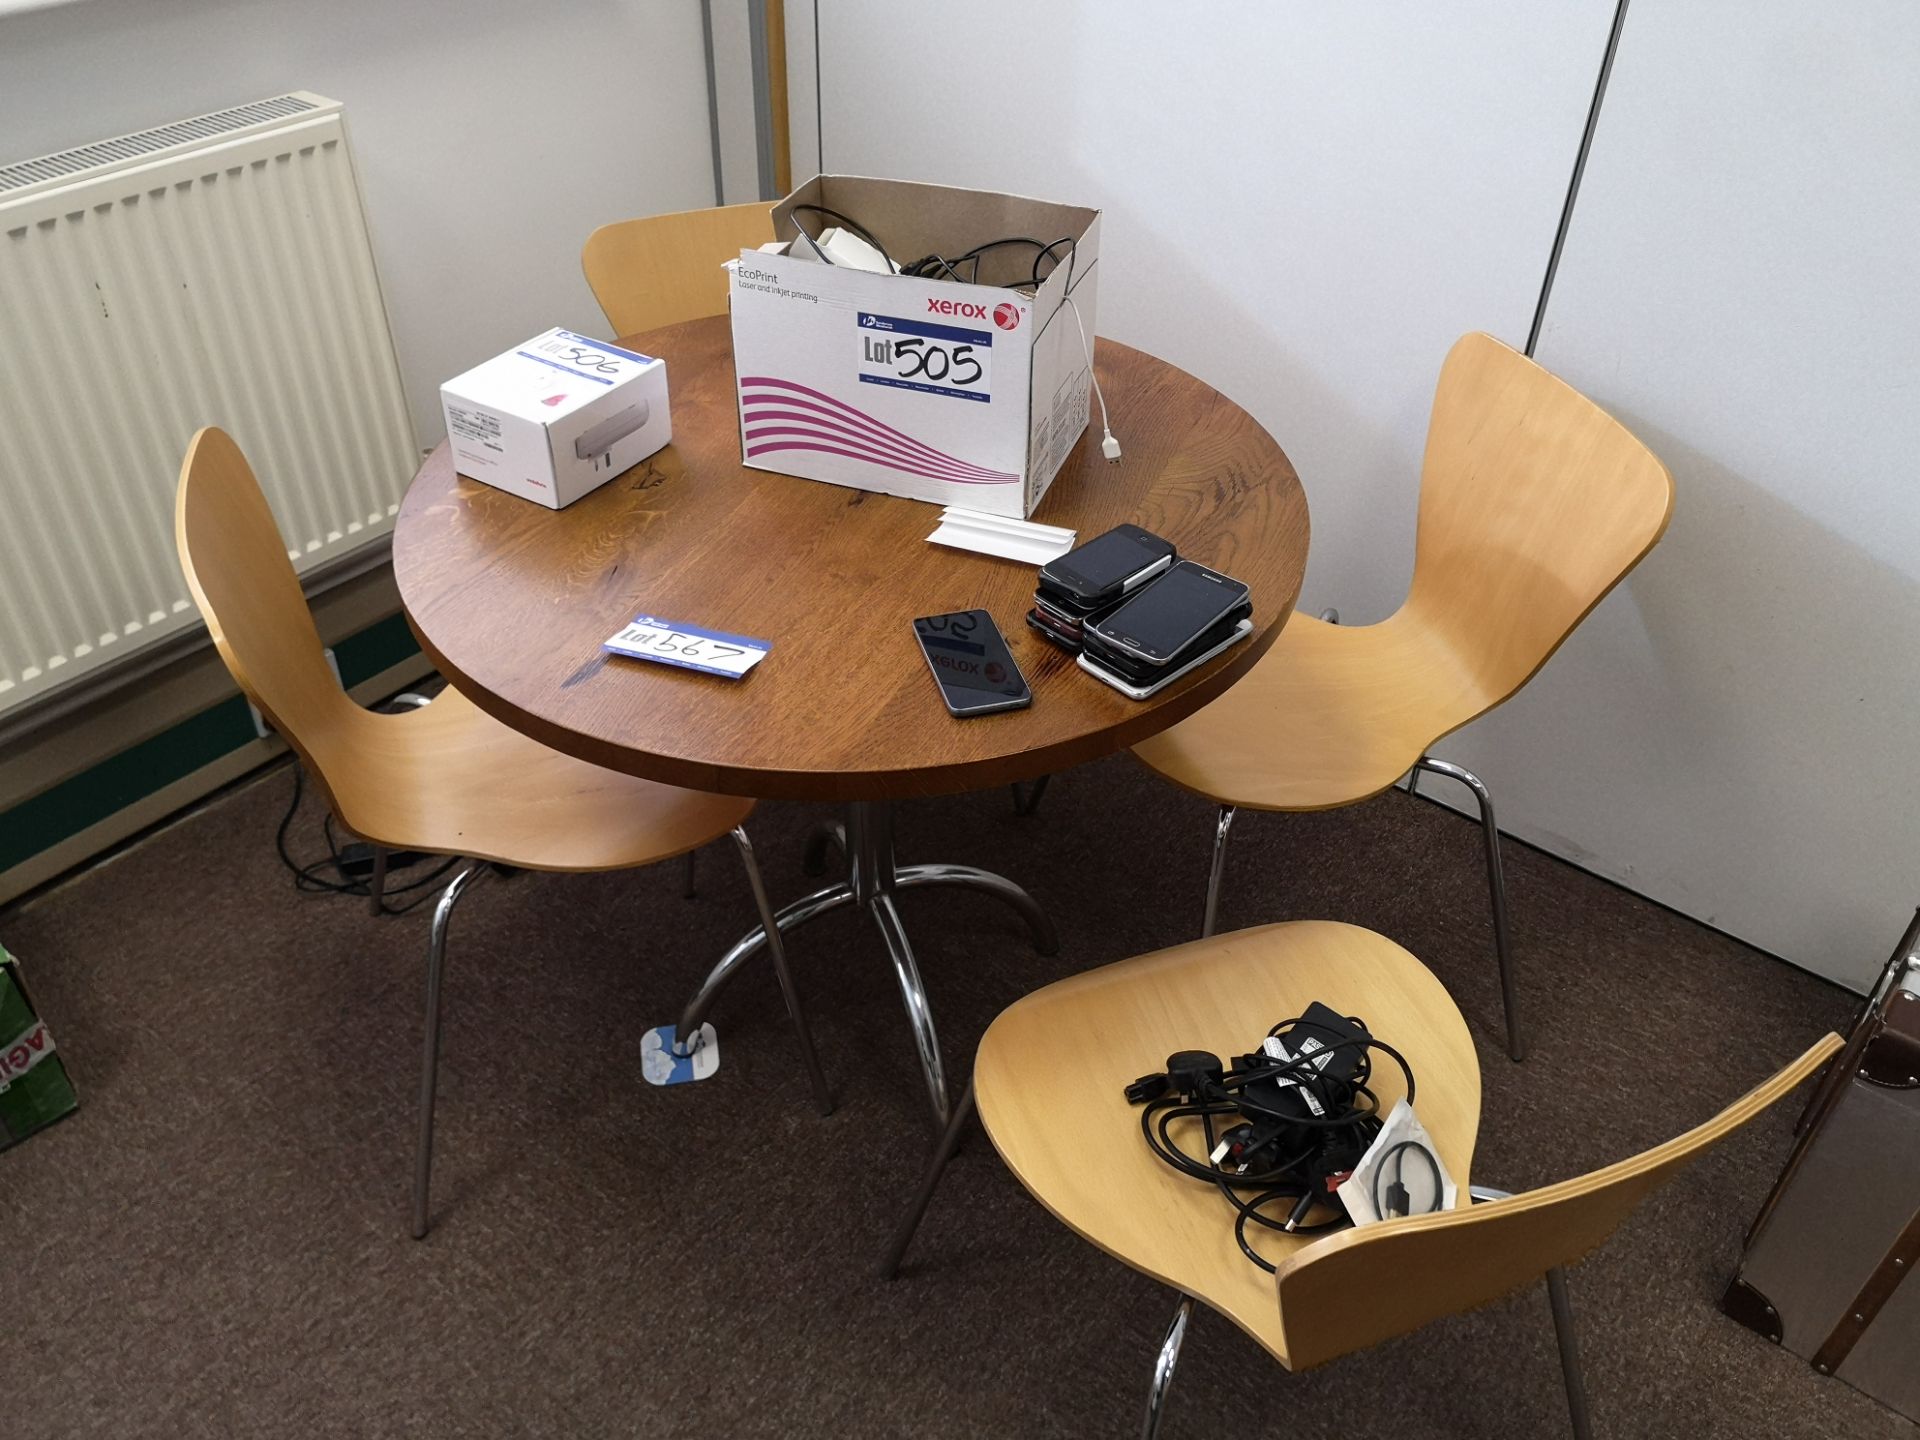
(1107, 560)
(970, 659)
(1174, 609)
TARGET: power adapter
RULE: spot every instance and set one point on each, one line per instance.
(357, 862)
(843, 247)
(1304, 1093)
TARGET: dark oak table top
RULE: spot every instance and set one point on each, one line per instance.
(512, 601)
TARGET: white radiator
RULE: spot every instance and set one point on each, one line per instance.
(211, 272)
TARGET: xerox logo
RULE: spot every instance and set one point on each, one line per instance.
(1006, 316)
(957, 307)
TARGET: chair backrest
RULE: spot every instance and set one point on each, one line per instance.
(1534, 503)
(1362, 1286)
(238, 571)
(666, 268)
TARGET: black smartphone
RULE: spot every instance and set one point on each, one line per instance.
(971, 662)
(1067, 637)
(1170, 614)
(1141, 672)
(1108, 566)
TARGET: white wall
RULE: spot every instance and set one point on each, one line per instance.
(491, 136)
(1738, 736)
(1307, 203)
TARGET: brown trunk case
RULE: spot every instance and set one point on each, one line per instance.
(1827, 1260)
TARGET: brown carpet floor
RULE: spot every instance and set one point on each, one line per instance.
(216, 1244)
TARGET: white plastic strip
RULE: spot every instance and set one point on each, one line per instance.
(1001, 535)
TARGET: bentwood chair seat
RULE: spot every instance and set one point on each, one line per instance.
(1048, 1083)
(1332, 714)
(663, 269)
(445, 778)
(1049, 1073)
(1534, 504)
(450, 779)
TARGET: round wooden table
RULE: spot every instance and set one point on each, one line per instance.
(513, 602)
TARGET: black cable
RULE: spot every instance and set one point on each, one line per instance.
(286, 821)
(1073, 256)
(1246, 1210)
(1396, 1156)
(1338, 1125)
(312, 878)
(930, 267)
(979, 252)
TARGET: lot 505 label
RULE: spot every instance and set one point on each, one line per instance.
(915, 355)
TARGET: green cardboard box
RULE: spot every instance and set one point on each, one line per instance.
(34, 1089)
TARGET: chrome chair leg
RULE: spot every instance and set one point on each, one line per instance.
(1222, 826)
(1163, 1369)
(1497, 890)
(1569, 1354)
(913, 993)
(692, 890)
(777, 952)
(1562, 1328)
(936, 1167)
(1046, 939)
(430, 1060)
(1027, 800)
(796, 912)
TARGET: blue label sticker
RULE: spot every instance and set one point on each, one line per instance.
(564, 369)
(895, 325)
(610, 349)
(689, 647)
(903, 354)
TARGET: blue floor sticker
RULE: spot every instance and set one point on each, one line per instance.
(661, 1066)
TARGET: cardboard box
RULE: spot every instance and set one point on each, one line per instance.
(557, 417)
(939, 390)
(34, 1089)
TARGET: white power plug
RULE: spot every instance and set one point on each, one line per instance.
(1109, 446)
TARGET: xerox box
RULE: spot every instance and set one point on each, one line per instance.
(936, 389)
(556, 417)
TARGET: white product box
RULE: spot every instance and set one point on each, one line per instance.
(556, 417)
(957, 393)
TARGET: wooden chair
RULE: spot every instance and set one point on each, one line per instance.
(445, 778)
(1534, 503)
(666, 268)
(1048, 1080)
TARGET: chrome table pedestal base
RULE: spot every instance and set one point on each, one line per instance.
(873, 879)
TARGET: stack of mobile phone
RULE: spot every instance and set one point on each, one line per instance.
(1094, 579)
(1183, 618)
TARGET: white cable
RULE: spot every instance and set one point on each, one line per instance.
(1109, 446)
